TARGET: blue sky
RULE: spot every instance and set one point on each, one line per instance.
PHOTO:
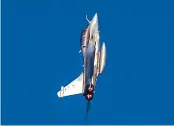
(40, 44)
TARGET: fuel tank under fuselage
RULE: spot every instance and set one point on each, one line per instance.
(89, 65)
(89, 62)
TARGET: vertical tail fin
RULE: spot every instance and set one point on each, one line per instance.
(87, 110)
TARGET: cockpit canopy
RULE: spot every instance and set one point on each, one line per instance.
(84, 37)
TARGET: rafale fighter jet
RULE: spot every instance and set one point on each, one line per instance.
(94, 58)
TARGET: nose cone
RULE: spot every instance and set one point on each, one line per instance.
(94, 19)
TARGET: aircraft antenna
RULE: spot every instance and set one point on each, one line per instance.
(87, 110)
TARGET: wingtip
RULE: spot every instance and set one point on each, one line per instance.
(59, 94)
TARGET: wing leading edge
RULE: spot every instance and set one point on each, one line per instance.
(73, 88)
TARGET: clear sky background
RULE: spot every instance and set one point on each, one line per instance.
(40, 45)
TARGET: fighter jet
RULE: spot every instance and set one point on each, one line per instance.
(94, 58)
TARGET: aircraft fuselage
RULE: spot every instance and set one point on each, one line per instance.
(93, 63)
(90, 49)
